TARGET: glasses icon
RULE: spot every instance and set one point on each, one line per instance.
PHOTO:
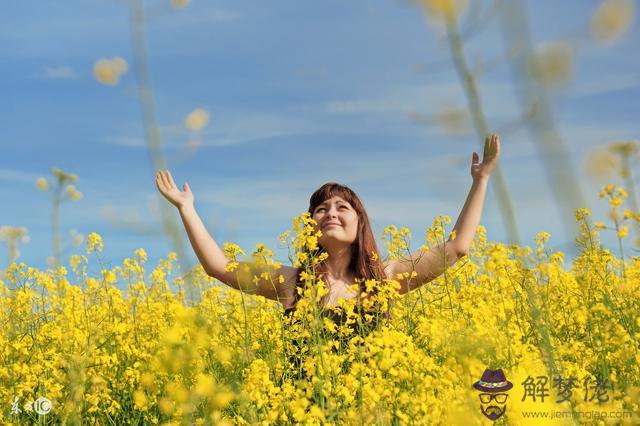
(500, 398)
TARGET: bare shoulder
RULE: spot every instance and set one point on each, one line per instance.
(388, 268)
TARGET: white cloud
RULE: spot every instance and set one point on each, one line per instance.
(230, 127)
(431, 97)
(397, 99)
(605, 84)
(18, 176)
(63, 72)
(234, 127)
(126, 141)
(192, 16)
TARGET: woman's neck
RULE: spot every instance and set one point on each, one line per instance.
(336, 266)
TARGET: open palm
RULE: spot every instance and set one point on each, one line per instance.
(489, 158)
(170, 191)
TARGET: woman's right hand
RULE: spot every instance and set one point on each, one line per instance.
(170, 191)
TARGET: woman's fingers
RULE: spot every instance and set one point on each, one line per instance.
(491, 146)
(166, 179)
(163, 180)
(159, 181)
(172, 184)
(487, 148)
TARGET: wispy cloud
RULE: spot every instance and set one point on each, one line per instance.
(429, 96)
(131, 141)
(18, 176)
(231, 127)
(58, 73)
(192, 16)
(606, 84)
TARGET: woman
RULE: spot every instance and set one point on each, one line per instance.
(346, 237)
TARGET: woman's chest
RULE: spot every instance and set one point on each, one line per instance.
(340, 290)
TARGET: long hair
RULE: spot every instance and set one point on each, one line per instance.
(365, 260)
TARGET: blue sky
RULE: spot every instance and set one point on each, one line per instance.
(299, 93)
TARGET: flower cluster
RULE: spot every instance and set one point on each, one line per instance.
(124, 345)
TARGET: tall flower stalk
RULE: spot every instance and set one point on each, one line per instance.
(63, 188)
(152, 134)
(448, 12)
(535, 95)
(13, 236)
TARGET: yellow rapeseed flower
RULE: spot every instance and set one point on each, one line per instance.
(601, 163)
(94, 242)
(552, 65)
(109, 71)
(140, 400)
(42, 184)
(443, 9)
(582, 213)
(623, 231)
(197, 119)
(179, 4)
(612, 19)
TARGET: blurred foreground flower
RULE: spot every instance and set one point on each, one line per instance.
(611, 20)
(179, 4)
(13, 236)
(551, 65)
(197, 119)
(454, 121)
(109, 71)
(442, 10)
(42, 184)
(73, 193)
(601, 163)
(62, 184)
(76, 238)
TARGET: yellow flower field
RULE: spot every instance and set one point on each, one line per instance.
(141, 355)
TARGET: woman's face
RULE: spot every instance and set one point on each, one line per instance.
(337, 220)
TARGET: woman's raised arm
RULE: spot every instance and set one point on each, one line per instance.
(265, 280)
(428, 265)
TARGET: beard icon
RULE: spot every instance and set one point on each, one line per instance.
(493, 412)
(493, 386)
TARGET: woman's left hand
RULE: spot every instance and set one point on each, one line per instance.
(489, 158)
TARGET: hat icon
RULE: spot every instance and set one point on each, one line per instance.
(493, 381)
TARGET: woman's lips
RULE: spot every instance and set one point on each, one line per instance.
(331, 224)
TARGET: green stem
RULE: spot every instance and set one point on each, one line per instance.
(631, 190)
(55, 224)
(480, 123)
(152, 135)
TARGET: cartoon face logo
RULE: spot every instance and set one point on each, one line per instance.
(493, 396)
(493, 406)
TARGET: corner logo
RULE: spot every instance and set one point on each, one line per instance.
(493, 387)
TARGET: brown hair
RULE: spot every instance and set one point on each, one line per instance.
(365, 261)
